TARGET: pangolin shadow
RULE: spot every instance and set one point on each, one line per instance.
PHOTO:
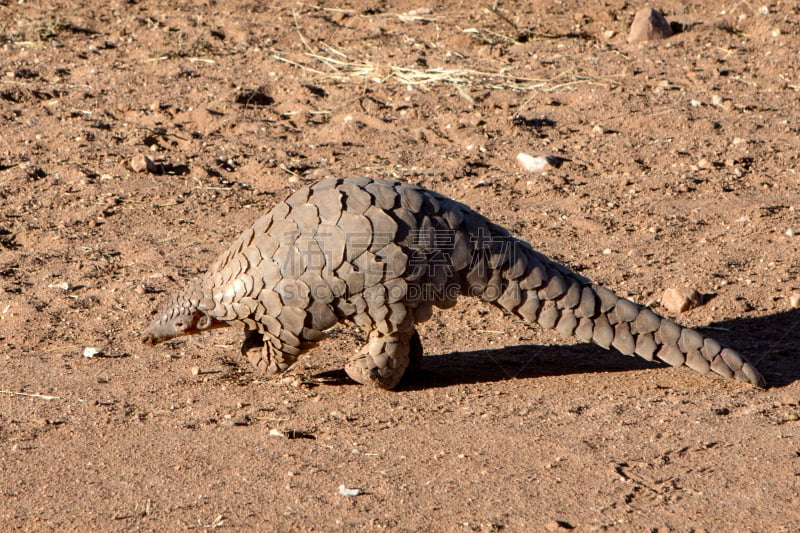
(526, 361)
(768, 342)
(518, 362)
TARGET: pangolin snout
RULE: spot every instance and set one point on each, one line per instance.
(149, 338)
(155, 334)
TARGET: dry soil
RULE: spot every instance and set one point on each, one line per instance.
(682, 159)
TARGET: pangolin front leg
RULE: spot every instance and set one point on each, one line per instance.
(264, 354)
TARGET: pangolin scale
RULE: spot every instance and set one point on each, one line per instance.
(382, 254)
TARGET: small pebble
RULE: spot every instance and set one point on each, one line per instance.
(195, 370)
(344, 491)
(419, 12)
(789, 399)
(538, 162)
(142, 163)
(680, 300)
(649, 25)
(90, 352)
(794, 300)
(276, 433)
(558, 525)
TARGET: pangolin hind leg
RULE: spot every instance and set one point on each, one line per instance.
(383, 361)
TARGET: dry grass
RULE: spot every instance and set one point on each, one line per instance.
(333, 69)
(323, 63)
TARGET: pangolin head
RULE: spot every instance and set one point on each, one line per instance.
(181, 315)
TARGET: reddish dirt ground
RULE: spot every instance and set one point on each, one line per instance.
(681, 170)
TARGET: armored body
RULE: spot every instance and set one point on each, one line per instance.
(382, 254)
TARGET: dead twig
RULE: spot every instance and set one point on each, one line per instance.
(30, 395)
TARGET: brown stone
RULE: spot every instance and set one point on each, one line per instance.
(649, 25)
(680, 300)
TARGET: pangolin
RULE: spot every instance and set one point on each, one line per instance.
(382, 254)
